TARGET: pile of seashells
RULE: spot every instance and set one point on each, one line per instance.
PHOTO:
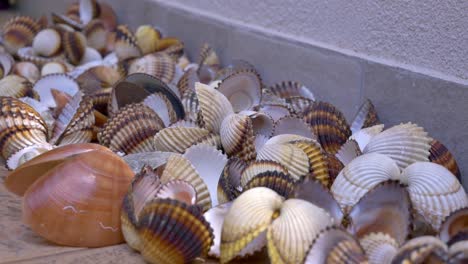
(252, 172)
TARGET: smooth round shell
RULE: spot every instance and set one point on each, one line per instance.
(47, 42)
(27, 70)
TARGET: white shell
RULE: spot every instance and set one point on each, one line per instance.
(293, 125)
(53, 67)
(363, 136)
(90, 55)
(59, 82)
(290, 156)
(47, 42)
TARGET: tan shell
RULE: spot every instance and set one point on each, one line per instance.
(365, 117)
(187, 82)
(179, 139)
(28, 54)
(214, 107)
(53, 68)
(318, 161)
(237, 136)
(299, 104)
(147, 38)
(160, 66)
(281, 183)
(424, 249)
(379, 247)
(17, 87)
(229, 184)
(19, 32)
(27, 70)
(257, 167)
(455, 223)
(126, 46)
(242, 89)
(131, 130)
(288, 155)
(96, 35)
(47, 42)
(74, 46)
(441, 155)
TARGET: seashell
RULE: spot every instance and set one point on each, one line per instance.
(54, 67)
(286, 139)
(214, 107)
(74, 46)
(237, 136)
(61, 100)
(17, 87)
(288, 89)
(365, 117)
(299, 104)
(318, 161)
(246, 223)
(44, 111)
(176, 52)
(315, 193)
(126, 46)
(275, 111)
(292, 233)
(96, 35)
(435, 192)
(89, 9)
(215, 217)
(262, 124)
(27, 54)
(166, 43)
(348, 151)
(290, 156)
(108, 16)
(257, 167)
(360, 176)
(160, 66)
(379, 247)
(75, 122)
(178, 190)
(27, 154)
(161, 105)
(455, 223)
(191, 106)
(293, 125)
(458, 252)
(281, 183)
(106, 75)
(179, 139)
(7, 64)
(71, 22)
(47, 42)
(208, 56)
(328, 124)
(73, 9)
(60, 82)
(89, 197)
(334, 167)
(229, 185)
(139, 160)
(243, 90)
(147, 38)
(90, 55)
(20, 126)
(405, 143)
(363, 136)
(424, 249)
(27, 70)
(18, 32)
(187, 81)
(131, 129)
(184, 236)
(441, 155)
(209, 163)
(334, 245)
(385, 209)
(178, 167)
(20, 179)
(235, 66)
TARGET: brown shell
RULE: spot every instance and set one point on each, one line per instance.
(19, 32)
(229, 182)
(365, 117)
(175, 51)
(318, 162)
(237, 137)
(27, 70)
(288, 89)
(131, 129)
(441, 155)
(455, 223)
(187, 81)
(329, 125)
(96, 35)
(20, 126)
(281, 183)
(173, 232)
(126, 46)
(334, 167)
(179, 139)
(424, 249)
(74, 46)
(160, 66)
(299, 104)
(17, 87)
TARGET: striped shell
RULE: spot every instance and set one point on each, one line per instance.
(441, 155)
(454, 224)
(89, 9)
(126, 46)
(379, 247)
(291, 157)
(237, 136)
(160, 66)
(74, 46)
(19, 32)
(288, 89)
(230, 180)
(424, 249)
(147, 38)
(17, 87)
(179, 139)
(215, 217)
(293, 125)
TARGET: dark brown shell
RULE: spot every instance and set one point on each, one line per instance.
(318, 163)
(456, 222)
(288, 89)
(19, 32)
(441, 155)
(229, 182)
(74, 46)
(281, 183)
(334, 167)
(329, 125)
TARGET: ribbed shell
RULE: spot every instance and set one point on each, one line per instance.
(215, 216)
(293, 125)
(237, 136)
(257, 167)
(288, 89)
(435, 192)
(131, 129)
(162, 106)
(17, 87)
(424, 249)
(230, 180)
(380, 248)
(160, 66)
(74, 45)
(214, 107)
(173, 232)
(454, 224)
(405, 143)
(19, 32)
(329, 125)
(361, 175)
(281, 183)
(20, 126)
(299, 104)
(242, 89)
(208, 56)
(179, 139)
(365, 117)
(292, 157)
(363, 136)
(187, 81)
(126, 46)
(441, 155)
(318, 162)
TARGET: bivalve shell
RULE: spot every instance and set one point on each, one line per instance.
(19, 32)
(74, 46)
(441, 155)
(243, 90)
(126, 46)
(17, 87)
(160, 66)
(379, 247)
(424, 249)
(237, 136)
(89, 9)
(179, 139)
(27, 70)
(455, 223)
(229, 185)
(147, 38)
(61, 82)
(365, 117)
(288, 89)
(47, 42)
(291, 157)
(96, 35)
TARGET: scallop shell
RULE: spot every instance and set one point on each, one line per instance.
(229, 185)
(47, 42)
(27, 70)
(178, 167)
(160, 66)
(237, 136)
(363, 136)
(424, 249)
(53, 68)
(245, 224)
(147, 38)
(290, 156)
(161, 105)
(315, 193)
(74, 46)
(96, 35)
(334, 245)
(75, 122)
(454, 224)
(187, 81)
(242, 89)
(59, 82)
(126, 46)
(131, 130)
(89, 9)
(405, 143)
(182, 237)
(20, 126)
(360, 176)
(17, 87)
(293, 125)
(435, 192)
(209, 163)
(287, 89)
(215, 217)
(18, 32)
(441, 155)
(179, 139)
(385, 209)
(7, 64)
(329, 125)
(379, 247)
(365, 117)
(291, 234)
(281, 183)
(214, 107)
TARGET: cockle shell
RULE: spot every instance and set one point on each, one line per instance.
(20, 126)
(275, 111)
(363, 136)
(237, 136)
(293, 125)
(262, 124)
(435, 192)
(27, 70)
(365, 117)
(441, 155)
(229, 185)
(242, 89)
(334, 245)
(379, 247)
(348, 151)
(7, 64)
(214, 107)
(77, 203)
(69, 23)
(28, 54)
(288, 89)
(281, 183)
(89, 9)
(53, 68)
(131, 129)
(187, 82)
(179, 139)
(328, 124)
(17, 87)
(90, 56)
(108, 16)
(160, 66)
(147, 38)
(18, 32)
(288, 155)
(74, 46)
(318, 161)
(455, 223)
(47, 42)
(254, 168)
(126, 46)
(215, 217)
(96, 35)
(424, 249)
(61, 82)
(161, 105)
